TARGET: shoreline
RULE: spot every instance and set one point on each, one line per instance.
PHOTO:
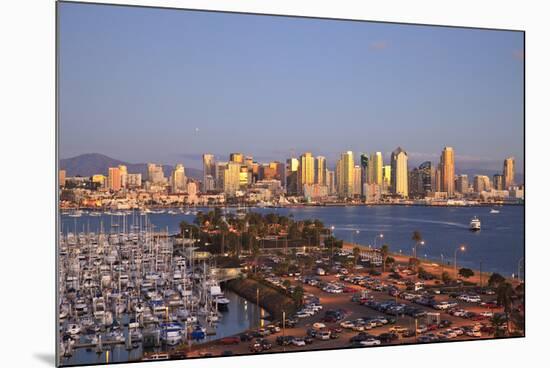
(436, 268)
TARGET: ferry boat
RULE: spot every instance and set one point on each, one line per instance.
(475, 224)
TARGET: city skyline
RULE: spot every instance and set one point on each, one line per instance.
(274, 88)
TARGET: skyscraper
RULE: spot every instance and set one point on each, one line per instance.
(123, 176)
(427, 176)
(509, 172)
(208, 170)
(114, 179)
(399, 172)
(364, 162)
(386, 175)
(357, 180)
(320, 170)
(498, 182)
(292, 165)
(375, 168)
(231, 178)
(306, 171)
(447, 164)
(178, 181)
(331, 182)
(344, 174)
(220, 175)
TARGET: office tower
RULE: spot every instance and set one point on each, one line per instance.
(375, 168)
(249, 161)
(123, 175)
(306, 170)
(416, 185)
(426, 177)
(62, 177)
(208, 170)
(292, 165)
(155, 174)
(114, 179)
(357, 180)
(498, 182)
(133, 181)
(399, 172)
(386, 175)
(437, 180)
(447, 164)
(231, 178)
(331, 182)
(220, 174)
(178, 181)
(320, 170)
(364, 162)
(481, 183)
(344, 175)
(462, 184)
(236, 157)
(509, 172)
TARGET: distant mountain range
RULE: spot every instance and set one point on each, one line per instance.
(90, 164)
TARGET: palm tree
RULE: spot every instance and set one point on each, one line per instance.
(384, 250)
(496, 321)
(505, 293)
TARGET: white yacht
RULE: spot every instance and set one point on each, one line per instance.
(171, 333)
(475, 224)
(494, 211)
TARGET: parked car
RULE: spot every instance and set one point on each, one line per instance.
(370, 342)
(230, 340)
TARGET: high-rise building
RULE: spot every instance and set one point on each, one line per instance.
(462, 184)
(178, 181)
(320, 170)
(357, 180)
(292, 165)
(386, 176)
(364, 162)
(100, 180)
(123, 176)
(509, 172)
(155, 174)
(220, 175)
(399, 172)
(114, 179)
(62, 177)
(427, 177)
(375, 168)
(306, 171)
(447, 164)
(416, 184)
(208, 170)
(344, 175)
(331, 182)
(437, 179)
(231, 178)
(236, 157)
(481, 183)
(498, 182)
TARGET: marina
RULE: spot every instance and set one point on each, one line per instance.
(131, 291)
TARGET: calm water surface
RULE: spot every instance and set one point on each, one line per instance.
(498, 246)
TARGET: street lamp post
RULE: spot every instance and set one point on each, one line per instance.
(462, 248)
(381, 236)
(356, 232)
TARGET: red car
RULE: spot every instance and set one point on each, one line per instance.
(432, 327)
(230, 340)
(348, 289)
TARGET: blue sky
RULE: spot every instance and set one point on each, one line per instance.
(159, 85)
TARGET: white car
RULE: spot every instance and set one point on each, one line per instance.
(473, 333)
(301, 315)
(319, 325)
(298, 342)
(346, 324)
(486, 314)
(370, 342)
